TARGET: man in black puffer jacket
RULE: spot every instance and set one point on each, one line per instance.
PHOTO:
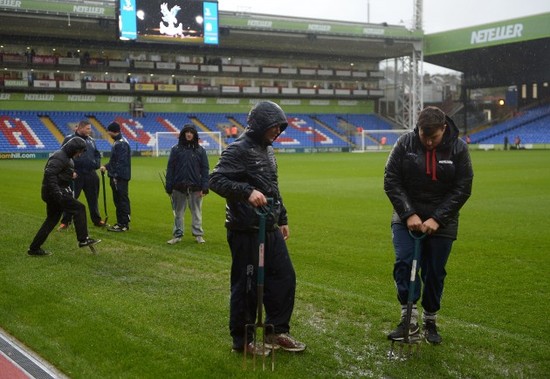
(246, 176)
(428, 178)
(58, 196)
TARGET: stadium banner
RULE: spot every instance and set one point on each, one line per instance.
(96, 85)
(16, 83)
(231, 68)
(119, 104)
(255, 22)
(68, 61)
(4, 156)
(44, 84)
(166, 65)
(120, 86)
(145, 87)
(167, 87)
(74, 84)
(189, 88)
(493, 34)
(91, 10)
(231, 89)
(144, 64)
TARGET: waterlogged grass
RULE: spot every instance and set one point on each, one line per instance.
(145, 309)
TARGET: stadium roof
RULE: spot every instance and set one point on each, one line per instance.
(510, 52)
(71, 22)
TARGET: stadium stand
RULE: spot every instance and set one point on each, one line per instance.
(531, 125)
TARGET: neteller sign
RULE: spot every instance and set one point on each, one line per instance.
(496, 34)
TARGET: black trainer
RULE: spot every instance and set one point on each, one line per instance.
(88, 242)
(398, 334)
(430, 332)
(38, 253)
(118, 228)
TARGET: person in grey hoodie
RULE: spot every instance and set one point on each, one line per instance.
(187, 182)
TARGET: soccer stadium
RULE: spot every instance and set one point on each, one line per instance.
(140, 308)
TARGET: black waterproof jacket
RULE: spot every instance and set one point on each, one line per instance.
(58, 173)
(90, 160)
(247, 164)
(120, 165)
(432, 184)
(187, 167)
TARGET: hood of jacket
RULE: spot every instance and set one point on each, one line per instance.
(194, 143)
(73, 146)
(263, 116)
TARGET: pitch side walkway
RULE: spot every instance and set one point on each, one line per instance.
(17, 362)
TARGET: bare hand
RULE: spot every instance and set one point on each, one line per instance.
(430, 226)
(257, 199)
(285, 231)
(414, 223)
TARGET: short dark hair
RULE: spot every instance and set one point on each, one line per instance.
(83, 123)
(430, 119)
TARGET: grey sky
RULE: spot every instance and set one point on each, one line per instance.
(439, 15)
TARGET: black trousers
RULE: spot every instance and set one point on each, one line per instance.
(121, 200)
(279, 284)
(54, 210)
(89, 183)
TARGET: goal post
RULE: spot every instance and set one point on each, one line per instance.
(378, 139)
(212, 142)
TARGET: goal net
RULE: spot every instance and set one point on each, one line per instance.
(374, 140)
(210, 141)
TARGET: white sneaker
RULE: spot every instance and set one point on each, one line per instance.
(200, 239)
(174, 240)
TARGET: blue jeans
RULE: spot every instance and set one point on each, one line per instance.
(180, 201)
(435, 252)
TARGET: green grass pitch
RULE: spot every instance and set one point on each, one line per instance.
(144, 309)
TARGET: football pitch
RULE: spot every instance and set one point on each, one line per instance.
(141, 308)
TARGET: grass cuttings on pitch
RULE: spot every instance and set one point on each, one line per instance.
(142, 308)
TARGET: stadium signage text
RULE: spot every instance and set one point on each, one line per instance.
(373, 31)
(318, 27)
(10, 3)
(87, 9)
(158, 100)
(260, 24)
(189, 100)
(496, 34)
(32, 97)
(81, 98)
(120, 99)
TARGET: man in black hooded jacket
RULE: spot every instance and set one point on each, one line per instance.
(428, 178)
(58, 196)
(187, 182)
(246, 176)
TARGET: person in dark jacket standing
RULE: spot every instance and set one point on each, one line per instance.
(187, 182)
(428, 178)
(58, 196)
(86, 176)
(120, 171)
(246, 176)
